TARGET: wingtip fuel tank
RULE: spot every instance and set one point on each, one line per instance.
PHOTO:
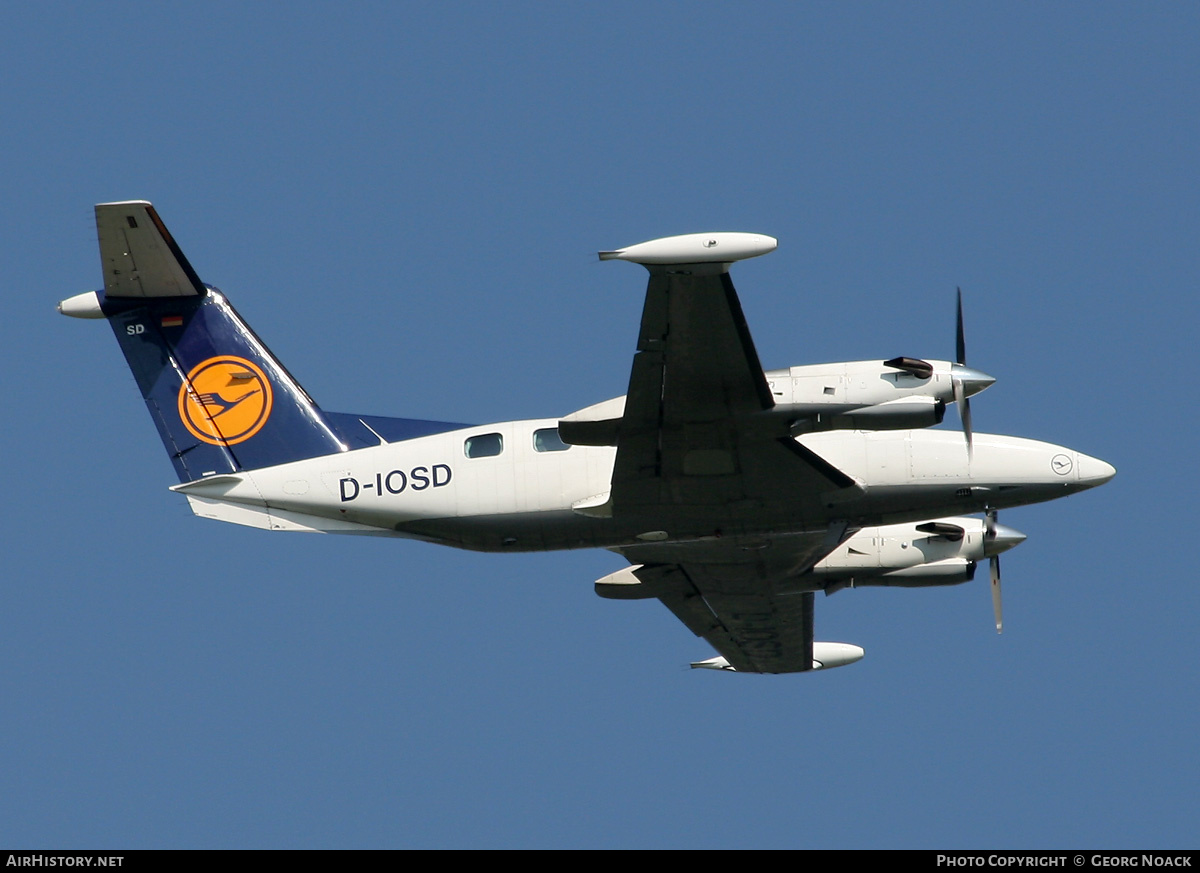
(695, 248)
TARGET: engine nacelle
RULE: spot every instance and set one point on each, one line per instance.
(916, 555)
(896, 394)
(859, 383)
(904, 548)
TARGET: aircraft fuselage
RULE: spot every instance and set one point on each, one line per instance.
(521, 499)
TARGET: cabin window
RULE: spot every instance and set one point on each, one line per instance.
(485, 445)
(548, 440)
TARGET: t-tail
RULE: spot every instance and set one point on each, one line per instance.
(221, 401)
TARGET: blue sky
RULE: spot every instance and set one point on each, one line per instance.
(405, 200)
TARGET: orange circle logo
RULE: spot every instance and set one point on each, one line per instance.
(225, 400)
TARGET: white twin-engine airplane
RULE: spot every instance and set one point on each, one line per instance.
(735, 494)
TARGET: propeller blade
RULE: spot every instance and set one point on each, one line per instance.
(960, 344)
(994, 566)
(996, 607)
(964, 411)
(960, 391)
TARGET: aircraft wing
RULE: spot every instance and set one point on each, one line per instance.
(743, 599)
(697, 445)
(693, 436)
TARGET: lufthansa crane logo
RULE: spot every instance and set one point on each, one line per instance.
(1061, 464)
(225, 400)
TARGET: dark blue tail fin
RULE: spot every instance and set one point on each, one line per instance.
(220, 399)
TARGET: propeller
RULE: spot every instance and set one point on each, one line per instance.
(965, 381)
(998, 538)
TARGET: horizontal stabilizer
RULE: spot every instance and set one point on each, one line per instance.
(266, 518)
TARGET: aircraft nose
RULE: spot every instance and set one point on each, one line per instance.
(973, 381)
(1093, 471)
(1006, 538)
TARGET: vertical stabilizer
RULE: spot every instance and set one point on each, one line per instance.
(221, 401)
